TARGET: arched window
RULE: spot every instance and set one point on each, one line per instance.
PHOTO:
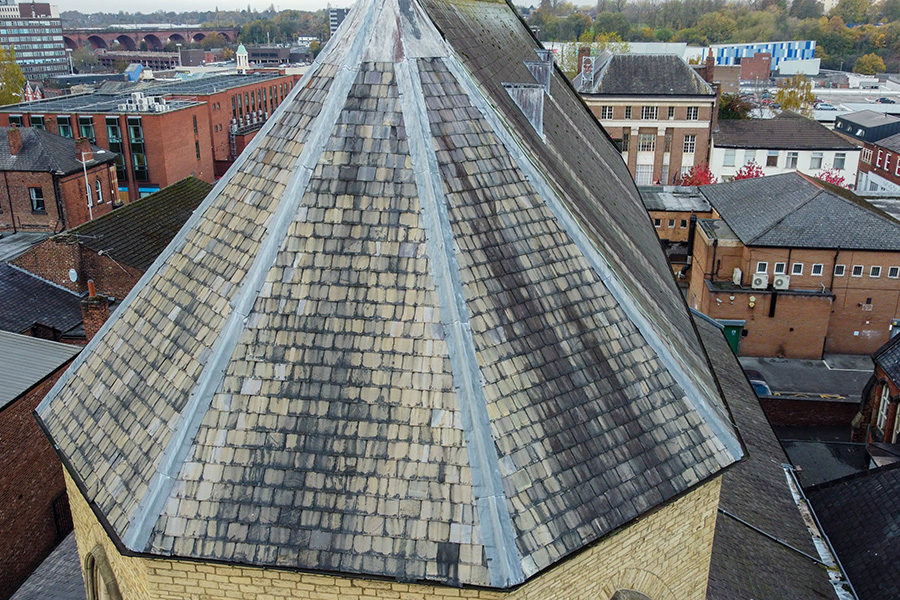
(99, 581)
(99, 192)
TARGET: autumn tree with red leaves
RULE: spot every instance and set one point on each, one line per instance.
(833, 177)
(750, 170)
(698, 175)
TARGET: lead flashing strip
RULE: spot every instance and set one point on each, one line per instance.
(717, 422)
(498, 535)
(143, 520)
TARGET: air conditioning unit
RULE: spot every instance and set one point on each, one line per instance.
(760, 281)
(781, 282)
(736, 276)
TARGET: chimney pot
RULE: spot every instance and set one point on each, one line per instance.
(83, 150)
(14, 134)
(92, 291)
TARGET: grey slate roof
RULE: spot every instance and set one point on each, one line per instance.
(137, 233)
(745, 563)
(644, 75)
(790, 210)
(26, 299)
(25, 361)
(869, 118)
(45, 151)
(58, 578)
(890, 143)
(787, 131)
(674, 198)
(859, 515)
(388, 343)
(888, 358)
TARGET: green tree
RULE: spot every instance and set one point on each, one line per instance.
(84, 59)
(732, 106)
(12, 82)
(795, 93)
(851, 11)
(607, 22)
(869, 64)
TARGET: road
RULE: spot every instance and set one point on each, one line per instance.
(836, 375)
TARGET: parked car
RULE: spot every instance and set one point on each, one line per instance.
(825, 106)
(885, 101)
(759, 383)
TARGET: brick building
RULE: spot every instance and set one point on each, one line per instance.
(138, 122)
(659, 111)
(338, 379)
(800, 267)
(34, 513)
(674, 211)
(51, 183)
(879, 419)
(879, 168)
(115, 250)
(35, 31)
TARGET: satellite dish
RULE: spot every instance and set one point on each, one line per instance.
(73, 275)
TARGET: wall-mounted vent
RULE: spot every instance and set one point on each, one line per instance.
(529, 97)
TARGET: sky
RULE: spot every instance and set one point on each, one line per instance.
(91, 6)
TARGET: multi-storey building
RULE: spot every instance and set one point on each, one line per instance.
(34, 31)
(167, 131)
(656, 107)
(879, 169)
(732, 54)
(797, 266)
(789, 142)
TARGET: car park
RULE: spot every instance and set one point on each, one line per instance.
(759, 383)
(885, 101)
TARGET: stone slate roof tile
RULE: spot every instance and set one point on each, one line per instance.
(787, 131)
(859, 515)
(386, 344)
(643, 75)
(790, 210)
(26, 299)
(45, 151)
(135, 234)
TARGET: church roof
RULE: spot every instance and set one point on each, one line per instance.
(422, 329)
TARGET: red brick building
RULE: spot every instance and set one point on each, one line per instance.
(51, 183)
(34, 511)
(878, 418)
(163, 132)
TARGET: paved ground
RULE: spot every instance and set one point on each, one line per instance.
(837, 374)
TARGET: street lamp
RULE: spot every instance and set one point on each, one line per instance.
(87, 188)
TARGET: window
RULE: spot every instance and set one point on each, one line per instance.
(37, 200)
(816, 161)
(627, 112)
(671, 112)
(875, 272)
(878, 160)
(197, 149)
(625, 139)
(100, 582)
(797, 269)
(817, 270)
(772, 158)
(606, 112)
(138, 156)
(887, 160)
(86, 128)
(657, 223)
(780, 268)
(64, 125)
(893, 272)
(649, 112)
(884, 402)
(195, 124)
(693, 113)
(840, 160)
(683, 224)
(16, 121)
(114, 139)
(667, 143)
(867, 155)
(643, 174)
(762, 267)
(791, 160)
(36, 121)
(671, 223)
(646, 142)
(690, 143)
(728, 161)
(857, 271)
(839, 270)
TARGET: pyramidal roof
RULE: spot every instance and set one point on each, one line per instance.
(422, 329)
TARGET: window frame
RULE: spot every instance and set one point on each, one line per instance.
(649, 113)
(693, 113)
(793, 158)
(893, 273)
(816, 160)
(646, 142)
(606, 112)
(780, 268)
(820, 267)
(797, 268)
(689, 145)
(840, 270)
(627, 112)
(772, 154)
(762, 266)
(875, 271)
(36, 195)
(840, 161)
(857, 271)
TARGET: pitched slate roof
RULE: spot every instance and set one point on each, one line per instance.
(643, 75)
(745, 562)
(45, 151)
(412, 332)
(137, 233)
(790, 210)
(787, 131)
(25, 361)
(859, 515)
(888, 358)
(890, 143)
(869, 118)
(26, 299)
(59, 576)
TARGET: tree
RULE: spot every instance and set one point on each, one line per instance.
(12, 82)
(833, 177)
(733, 106)
(751, 170)
(795, 93)
(84, 59)
(869, 64)
(851, 11)
(698, 175)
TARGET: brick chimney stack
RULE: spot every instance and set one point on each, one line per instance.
(83, 150)
(94, 311)
(15, 140)
(710, 67)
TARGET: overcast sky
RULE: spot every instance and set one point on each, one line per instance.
(92, 6)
